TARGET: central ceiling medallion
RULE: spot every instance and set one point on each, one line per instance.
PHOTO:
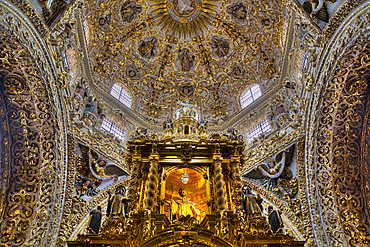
(184, 10)
(184, 17)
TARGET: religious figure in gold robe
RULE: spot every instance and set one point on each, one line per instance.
(249, 203)
(183, 206)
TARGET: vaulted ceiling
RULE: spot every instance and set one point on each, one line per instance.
(203, 51)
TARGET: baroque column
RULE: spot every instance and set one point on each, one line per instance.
(151, 191)
(134, 186)
(218, 177)
(236, 179)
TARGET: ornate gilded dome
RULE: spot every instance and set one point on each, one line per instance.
(204, 51)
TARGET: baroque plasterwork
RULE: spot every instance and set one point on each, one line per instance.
(295, 209)
(16, 23)
(30, 38)
(161, 91)
(324, 208)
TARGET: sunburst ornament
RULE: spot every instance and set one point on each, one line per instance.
(184, 17)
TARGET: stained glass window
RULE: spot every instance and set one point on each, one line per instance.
(249, 96)
(260, 128)
(113, 128)
(122, 95)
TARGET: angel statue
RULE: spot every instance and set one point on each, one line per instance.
(93, 170)
(277, 177)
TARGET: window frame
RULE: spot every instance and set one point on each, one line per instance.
(123, 95)
(113, 128)
(262, 127)
(252, 93)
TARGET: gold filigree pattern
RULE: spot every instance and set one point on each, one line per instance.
(168, 68)
(340, 208)
(32, 129)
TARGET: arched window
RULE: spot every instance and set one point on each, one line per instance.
(260, 128)
(112, 128)
(122, 95)
(249, 96)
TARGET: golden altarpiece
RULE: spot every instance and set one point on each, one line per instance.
(185, 190)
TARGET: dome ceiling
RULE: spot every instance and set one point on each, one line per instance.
(203, 51)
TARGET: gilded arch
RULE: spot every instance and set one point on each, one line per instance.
(35, 136)
(335, 155)
(32, 152)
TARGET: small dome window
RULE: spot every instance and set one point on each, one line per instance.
(122, 95)
(260, 128)
(249, 96)
(112, 128)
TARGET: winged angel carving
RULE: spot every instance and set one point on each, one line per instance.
(94, 172)
(276, 176)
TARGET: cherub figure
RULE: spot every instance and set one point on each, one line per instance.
(276, 176)
(85, 186)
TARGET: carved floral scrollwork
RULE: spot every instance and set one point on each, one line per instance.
(31, 125)
(339, 167)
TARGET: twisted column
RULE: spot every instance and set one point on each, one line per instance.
(134, 185)
(236, 180)
(218, 177)
(151, 191)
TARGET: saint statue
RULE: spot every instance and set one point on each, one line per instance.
(249, 203)
(183, 206)
(118, 203)
(95, 220)
(275, 220)
(147, 48)
(186, 60)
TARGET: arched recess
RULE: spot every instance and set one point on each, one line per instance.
(337, 132)
(32, 135)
